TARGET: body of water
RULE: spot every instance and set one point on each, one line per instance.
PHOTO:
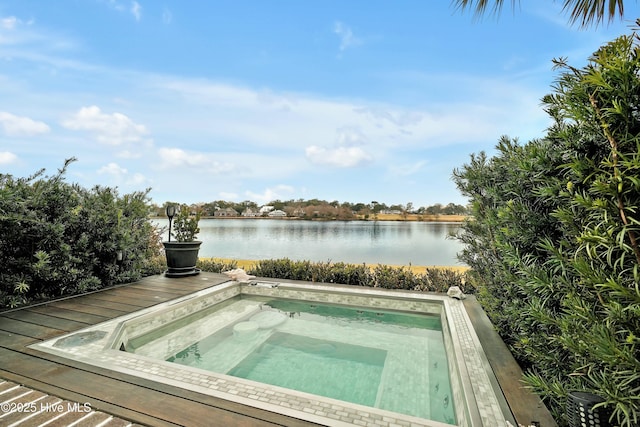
(356, 242)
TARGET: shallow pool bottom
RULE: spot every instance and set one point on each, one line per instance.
(308, 370)
(478, 401)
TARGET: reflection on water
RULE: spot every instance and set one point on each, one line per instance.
(385, 242)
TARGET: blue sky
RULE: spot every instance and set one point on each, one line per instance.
(261, 100)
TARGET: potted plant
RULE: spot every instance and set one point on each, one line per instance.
(182, 253)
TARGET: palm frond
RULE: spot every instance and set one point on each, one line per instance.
(589, 12)
(584, 12)
(481, 6)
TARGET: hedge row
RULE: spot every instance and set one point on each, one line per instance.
(380, 276)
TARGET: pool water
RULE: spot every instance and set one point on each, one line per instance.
(379, 358)
(315, 366)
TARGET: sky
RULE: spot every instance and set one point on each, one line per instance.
(260, 100)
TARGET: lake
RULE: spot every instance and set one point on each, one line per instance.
(355, 242)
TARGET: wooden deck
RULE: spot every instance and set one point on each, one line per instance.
(526, 407)
(133, 400)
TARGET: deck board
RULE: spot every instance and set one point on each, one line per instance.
(121, 302)
(28, 329)
(14, 341)
(115, 303)
(107, 311)
(64, 313)
(149, 403)
(43, 319)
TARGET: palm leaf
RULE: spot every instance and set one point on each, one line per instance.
(586, 12)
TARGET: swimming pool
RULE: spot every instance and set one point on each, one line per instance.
(378, 358)
(130, 344)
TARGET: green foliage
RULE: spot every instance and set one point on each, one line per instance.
(60, 239)
(553, 242)
(185, 224)
(213, 266)
(381, 276)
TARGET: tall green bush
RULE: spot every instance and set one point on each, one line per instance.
(554, 240)
(58, 238)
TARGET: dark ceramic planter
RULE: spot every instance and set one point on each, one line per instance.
(181, 258)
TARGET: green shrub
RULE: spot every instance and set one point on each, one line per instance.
(213, 266)
(347, 274)
(185, 224)
(554, 241)
(61, 239)
(394, 278)
(283, 269)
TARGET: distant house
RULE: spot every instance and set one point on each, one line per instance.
(250, 213)
(265, 209)
(299, 212)
(277, 213)
(391, 212)
(226, 212)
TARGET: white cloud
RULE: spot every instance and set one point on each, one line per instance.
(21, 126)
(138, 180)
(406, 169)
(121, 175)
(397, 117)
(215, 111)
(167, 16)
(115, 5)
(128, 154)
(212, 111)
(113, 169)
(346, 153)
(136, 10)
(176, 158)
(33, 43)
(279, 192)
(179, 157)
(347, 39)
(7, 157)
(9, 23)
(112, 129)
(350, 135)
(12, 30)
(342, 157)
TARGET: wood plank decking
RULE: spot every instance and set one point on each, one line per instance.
(132, 400)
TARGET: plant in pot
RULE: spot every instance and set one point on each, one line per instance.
(182, 253)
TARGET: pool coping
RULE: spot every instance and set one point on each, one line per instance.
(478, 382)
